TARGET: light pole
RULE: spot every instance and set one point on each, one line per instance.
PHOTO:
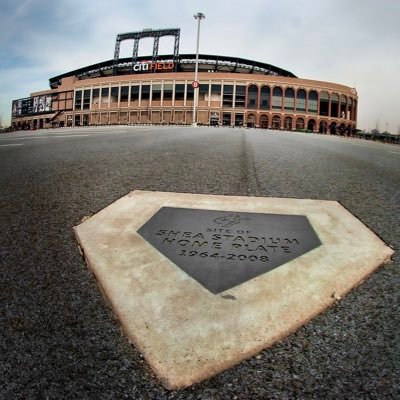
(199, 16)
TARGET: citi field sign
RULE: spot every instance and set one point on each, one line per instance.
(143, 66)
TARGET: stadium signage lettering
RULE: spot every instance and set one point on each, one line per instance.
(153, 66)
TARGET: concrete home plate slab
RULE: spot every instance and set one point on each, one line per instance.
(201, 282)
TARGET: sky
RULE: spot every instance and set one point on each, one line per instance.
(351, 42)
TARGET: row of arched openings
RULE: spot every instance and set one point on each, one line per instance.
(298, 124)
(300, 101)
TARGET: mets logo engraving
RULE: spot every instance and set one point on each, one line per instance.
(229, 220)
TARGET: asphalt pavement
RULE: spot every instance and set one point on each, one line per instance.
(59, 338)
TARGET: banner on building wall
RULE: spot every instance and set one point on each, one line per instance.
(32, 106)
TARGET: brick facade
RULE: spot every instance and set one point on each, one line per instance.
(263, 101)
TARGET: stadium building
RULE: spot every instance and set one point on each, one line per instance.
(159, 90)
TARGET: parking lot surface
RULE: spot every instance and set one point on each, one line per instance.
(59, 338)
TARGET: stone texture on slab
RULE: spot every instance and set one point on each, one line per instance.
(185, 332)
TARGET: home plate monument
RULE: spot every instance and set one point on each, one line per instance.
(201, 282)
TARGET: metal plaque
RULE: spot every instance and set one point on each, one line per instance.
(223, 249)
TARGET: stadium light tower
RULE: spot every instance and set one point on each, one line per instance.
(199, 16)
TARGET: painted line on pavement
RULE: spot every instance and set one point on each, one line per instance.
(69, 136)
(12, 144)
(40, 137)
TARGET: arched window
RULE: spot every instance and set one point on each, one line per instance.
(264, 121)
(343, 106)
(324, 104)
(277, 98)
(288, 123)
(289, 99)
(334, 105)
(350, 109)
(299, 124)
(333, 128)
(313, 102)
(251, 120)
(311, 125)
(323, 127)
(252, 97)
(355, 110)
(276, 122)
(265, 98)
(301, 101)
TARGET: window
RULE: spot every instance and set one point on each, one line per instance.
(95, 95)
(265, 98)
(86, 99)
(226, 119)
(311, 125)
(251, 121)
(240, 96)
(313, 102)
(323, 127)
(264, 121)
(300, 124)
(324, 104)
(334, 105)
(156, 92)
(227, 99)
(301, 101)
(203, 92)
(78, 100)
(252, 97)
(276, 122)
(289, 99)
(134, 93)
(167, 94)
(189, 92)
(288, 123)
(114, 94)
(239, 119)
(216, 90)
(343, 103)
(104, 95)
(204, 89)
(277, 98)
(179, 92)
(124, 93)
(350, 109)
(216, 93)
(214, 118)
(145, 92)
